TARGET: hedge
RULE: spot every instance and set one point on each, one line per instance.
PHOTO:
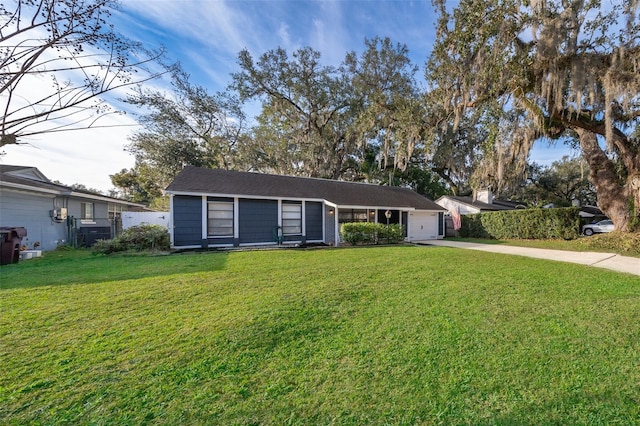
(371, 233)
(529, 224)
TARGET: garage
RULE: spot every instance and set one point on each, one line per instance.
(422, 226)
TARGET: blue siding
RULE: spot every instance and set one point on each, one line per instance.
(221, 241)
(187, 220)
(330, 233)
(257, 220)
(313, 220)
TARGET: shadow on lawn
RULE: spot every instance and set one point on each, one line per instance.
(81, 267)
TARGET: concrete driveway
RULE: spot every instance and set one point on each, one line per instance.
(615, 262)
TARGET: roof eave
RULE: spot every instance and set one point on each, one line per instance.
(34, 188)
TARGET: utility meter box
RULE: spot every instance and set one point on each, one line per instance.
(59, 214)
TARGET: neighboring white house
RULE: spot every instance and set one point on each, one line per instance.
(55, 214)
(483, 202)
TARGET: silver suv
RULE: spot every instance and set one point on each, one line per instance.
(594, 228)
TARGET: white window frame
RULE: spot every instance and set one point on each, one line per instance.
(291, 218)
(87, 214)
(226, 208)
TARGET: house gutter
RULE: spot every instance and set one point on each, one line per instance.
(104, 198)
(248, 196)
(32, 188)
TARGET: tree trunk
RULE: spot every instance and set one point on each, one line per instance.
(614, 193)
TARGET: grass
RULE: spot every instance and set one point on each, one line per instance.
(381, 335)
(625, 244)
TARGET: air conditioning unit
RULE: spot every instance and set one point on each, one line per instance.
(59, 214)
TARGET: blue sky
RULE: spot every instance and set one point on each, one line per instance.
(205, 36)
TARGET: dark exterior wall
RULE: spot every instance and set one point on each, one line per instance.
(257, 221)
(313, 220)
(329, 230)
(187, 220)
(405, 222)
(394, 219)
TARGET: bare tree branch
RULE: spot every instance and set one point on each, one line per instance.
(71, 43)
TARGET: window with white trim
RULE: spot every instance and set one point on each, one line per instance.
(86, 211)
(291, 219)
(354, 215)
(219, 219)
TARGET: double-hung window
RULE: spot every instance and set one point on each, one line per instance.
(219, 219)
(291, 219)
(86, 211)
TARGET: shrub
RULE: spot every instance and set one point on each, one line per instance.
(136, 238)
(371, 233)
(391, 234)
(471, 227)
(627, 243)
(356, 232)
(534, 224)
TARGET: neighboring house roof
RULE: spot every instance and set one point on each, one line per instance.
(28, 178)
(194, 180)
(482, 206)
(32, 179)
(511, 204)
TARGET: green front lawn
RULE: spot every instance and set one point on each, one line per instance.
(380, 335)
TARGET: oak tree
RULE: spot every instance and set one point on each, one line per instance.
(184, 126)
(304, 127)
(322, 121)
(568, 68)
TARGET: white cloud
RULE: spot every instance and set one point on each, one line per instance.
(283, 33)
(331, 36)
(214, 23)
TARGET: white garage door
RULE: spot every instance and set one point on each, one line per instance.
(422, 226)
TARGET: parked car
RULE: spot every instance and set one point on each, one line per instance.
(598, 227)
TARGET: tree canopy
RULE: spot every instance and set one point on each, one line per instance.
(563, 69)
(305, 122)
(363, 120)
(503, 74)
(562, 183)
(186, 126)
(319, 120)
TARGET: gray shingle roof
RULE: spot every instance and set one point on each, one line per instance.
(31, 178)
(196, 180)
(12, 174)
